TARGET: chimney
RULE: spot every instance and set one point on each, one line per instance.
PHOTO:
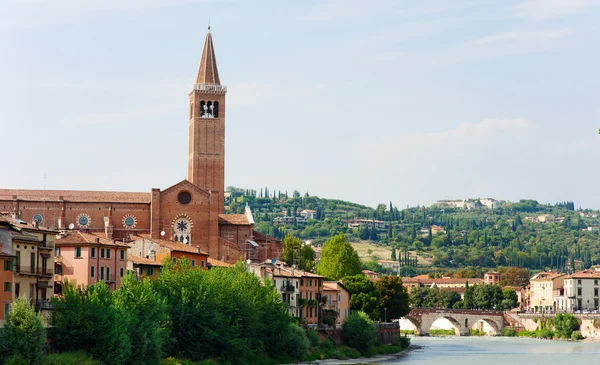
(35, 223)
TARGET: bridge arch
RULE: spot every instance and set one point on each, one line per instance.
(462, 320)
(457, 326)
(486, 321)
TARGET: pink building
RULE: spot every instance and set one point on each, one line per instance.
(86, 258)
(337, 298)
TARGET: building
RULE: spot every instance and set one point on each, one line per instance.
(142, 267)
(492, 278)
(392, 265)
(337, 299)
(33, 250)
(191, 211)
(442, 283)
(158, 251)
(7, 265)
(372, 275)
(300, 290)
(544, 287)
(546, 218)
(580, 292)
(86, 258)
(370, 223)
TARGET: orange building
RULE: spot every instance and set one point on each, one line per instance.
(190, 211)
(7, 262)
(86, 258)
(142, 267)
(337, 298)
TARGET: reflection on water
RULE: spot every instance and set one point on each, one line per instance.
(499, 351)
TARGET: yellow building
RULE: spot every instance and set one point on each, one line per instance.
(544, 287)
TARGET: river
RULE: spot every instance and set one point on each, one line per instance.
(498, 351)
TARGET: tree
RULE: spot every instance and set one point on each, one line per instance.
(338, 259)
(393, 253)
(451, 298)
(359, 332)
(394, 300)
(24, 333)
(565, 325)
(468, 301)
(295, 252)
(364, 296)
(510, 300)
(514, 276)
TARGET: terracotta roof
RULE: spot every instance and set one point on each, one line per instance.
(546, 276)
(331, 285)
(586, 274)
(84, 238)
(173, 246)
(20, 236)
(217, 263)
(472, 281)
(6, 255)
(237, 219)
(261, 237)
(138, 260)
(74, 196)
(16, 224)
(208, 72)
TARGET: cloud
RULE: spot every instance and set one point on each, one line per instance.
(539, 10)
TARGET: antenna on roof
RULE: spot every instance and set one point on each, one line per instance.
(71, 226)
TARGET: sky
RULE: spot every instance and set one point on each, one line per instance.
(366, 101)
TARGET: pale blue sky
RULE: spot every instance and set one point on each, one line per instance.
(368, 101)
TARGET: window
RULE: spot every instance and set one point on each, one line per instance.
(596, 282)
(77, 252)
(174, 260)
(18, 261)
(58, 269)
(32, 262)
(108, 273)
(8, 265)
(7, 286)
(149, 271)
(579, 282)
(275, 282)
(310, 311)
(202, 263)
(101, 272)
(121, 272)
(57, 251)
(302, 282)
(101, 253)
(595, 292)
(17, 290)
(6, 309)
(339, 298)
(296, 284)
(122, 255)
(93, 252)
(193, 263)
(92, 271)
(108, 253)
(579, 291)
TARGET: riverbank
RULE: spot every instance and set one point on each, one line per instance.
(364, 360)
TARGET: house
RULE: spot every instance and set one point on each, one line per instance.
(581, 291)
(337, 299)
(158, 250)
(544, 286)
(545, 218)
(87, 258)
(31, 249)
(142, 267)
(492, 278)
(372, 275)
(7, 265)
(442, 283)
(300, 290)
(308, 214)
(392, 265)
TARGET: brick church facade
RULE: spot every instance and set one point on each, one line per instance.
(191, 211)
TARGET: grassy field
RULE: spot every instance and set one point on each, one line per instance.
(367, 251)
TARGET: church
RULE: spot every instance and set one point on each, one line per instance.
(191, 212)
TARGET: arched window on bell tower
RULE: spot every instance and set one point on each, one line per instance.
(209, 109)
(202, 109)
(216, 109)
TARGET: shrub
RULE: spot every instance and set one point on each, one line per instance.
(476, 332)
(24, 334)
(70, 358)
(294, 342)
(576, 336)
(313, 337)
(508, 332)
(565, 325)
(15, 360)
(326, 345)
(546, 333)
(359, 332)
(349, 352)
(402, 341)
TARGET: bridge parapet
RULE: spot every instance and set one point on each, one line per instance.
(461, 319)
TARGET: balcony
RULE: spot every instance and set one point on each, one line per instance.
(108, 278)
(43, 304)
(33, 271)
(287, 288)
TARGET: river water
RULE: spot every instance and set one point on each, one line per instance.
(498, 351)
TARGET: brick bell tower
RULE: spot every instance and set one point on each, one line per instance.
(206, 159)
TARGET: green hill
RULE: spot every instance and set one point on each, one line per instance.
(524, 234)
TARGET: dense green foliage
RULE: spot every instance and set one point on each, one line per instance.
(295, 252)
(24, 336)
(70, 358)
(565, 325)
(364, 296)
(338, 259)
(476, 297)
(359, 332)
(394, 301)
(224, 314)
(478, 237)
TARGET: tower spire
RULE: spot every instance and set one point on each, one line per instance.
(208, 72)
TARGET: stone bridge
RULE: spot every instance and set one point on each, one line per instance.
(462, 319)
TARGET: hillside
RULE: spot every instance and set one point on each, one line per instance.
(524, 234)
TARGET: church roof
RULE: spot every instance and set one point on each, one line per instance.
(208, 72)
(74, 196)
(237, 219)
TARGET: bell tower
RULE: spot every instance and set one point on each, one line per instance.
(206, 159)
